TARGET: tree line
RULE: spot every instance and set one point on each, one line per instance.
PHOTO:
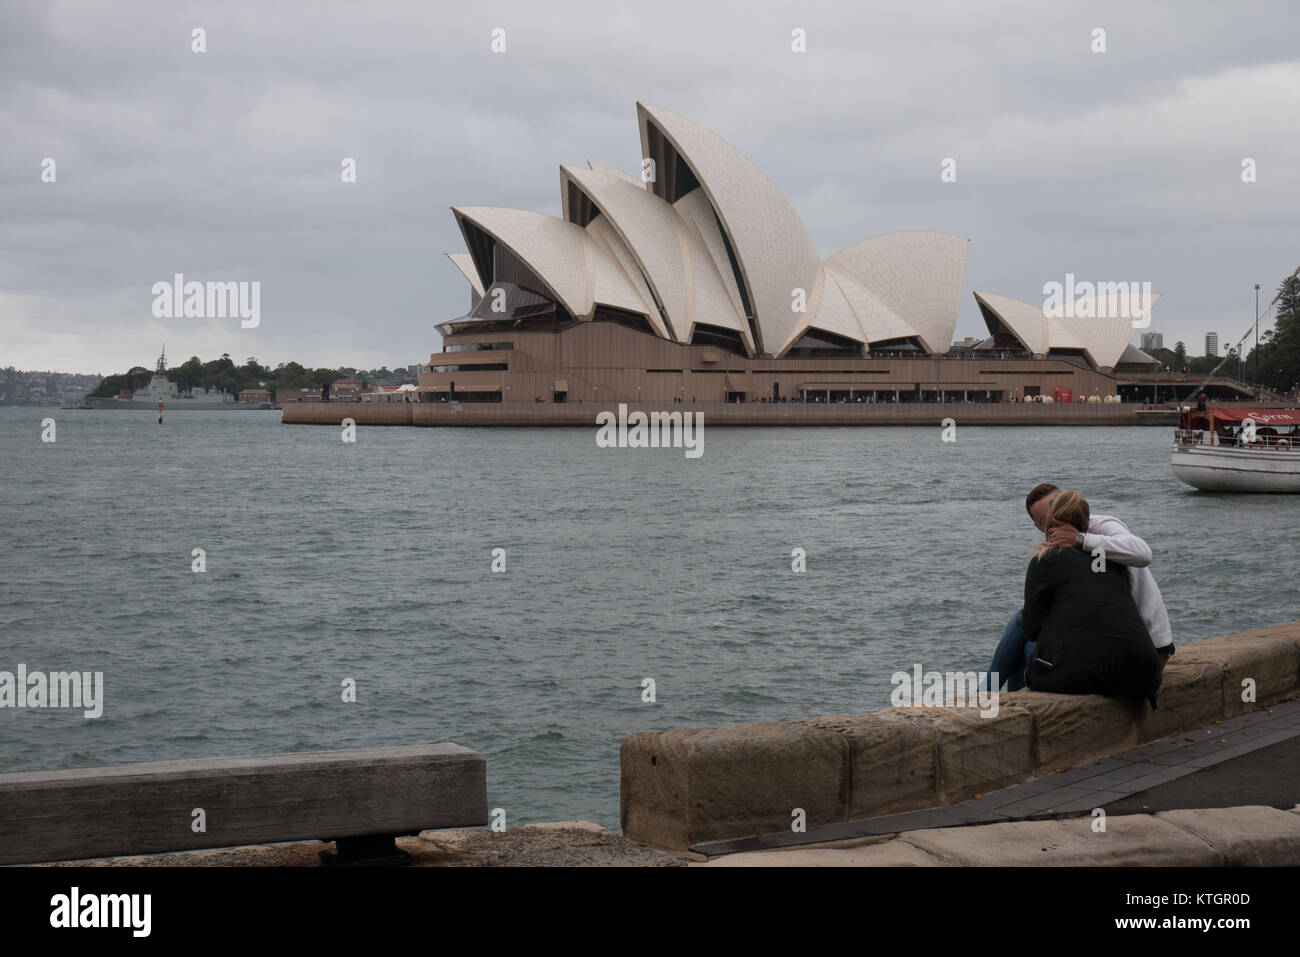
(1279, 347)
(194, 374)
(1278, 355)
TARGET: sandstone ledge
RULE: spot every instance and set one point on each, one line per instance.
(683, 787)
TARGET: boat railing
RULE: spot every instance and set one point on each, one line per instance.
(1184, 438)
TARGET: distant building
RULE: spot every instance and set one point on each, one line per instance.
(1152, 340)
(255, 395)
(696, 281)
(1211, 343)
(392, 393)
(345, 389)
(297, 395)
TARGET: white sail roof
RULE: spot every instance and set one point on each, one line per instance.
(1090, 324)
(776, 255)
(711, 240)
(576, 270)
(649, 228)
(615, 171)
(602, 231)
(1026, 322)
(694, 209)
(879, 323)
(832, 314)
(918, 275)
(1104, 325)
(465, 263)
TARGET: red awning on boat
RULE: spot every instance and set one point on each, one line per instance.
(1259, 416)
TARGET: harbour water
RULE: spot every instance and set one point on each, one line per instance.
(373, 561)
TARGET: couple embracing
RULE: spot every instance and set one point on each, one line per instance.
(1093, 621)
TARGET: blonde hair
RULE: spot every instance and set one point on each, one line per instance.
(1067, 506)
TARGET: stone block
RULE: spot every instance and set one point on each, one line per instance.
(892, 759)
(1129, 840)
(679, 788)
(1251, 836)
(1190, 696)
(978, 754)
(901, 759)
(1271, 660)
(1071, 729)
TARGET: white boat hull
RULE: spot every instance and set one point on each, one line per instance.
(1227, 469)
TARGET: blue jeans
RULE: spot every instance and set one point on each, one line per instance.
(1011, 656)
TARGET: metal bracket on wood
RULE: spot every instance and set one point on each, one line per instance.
(372, 850)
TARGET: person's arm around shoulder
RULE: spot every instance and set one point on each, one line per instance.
(1121, 545)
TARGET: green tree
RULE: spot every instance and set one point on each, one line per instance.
(1162, 355)
(223, 374)
(1180, 356)
(1279, 365)
(294, 376)
(137, 377)
(188, 374)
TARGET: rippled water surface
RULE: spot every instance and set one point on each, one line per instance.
(372, 561)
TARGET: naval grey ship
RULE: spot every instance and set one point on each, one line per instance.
(163, 389)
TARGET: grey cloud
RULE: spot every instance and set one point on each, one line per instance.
(225, 165)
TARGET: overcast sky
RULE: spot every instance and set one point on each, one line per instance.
(225, 165)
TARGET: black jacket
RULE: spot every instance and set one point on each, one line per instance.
(1091, 638)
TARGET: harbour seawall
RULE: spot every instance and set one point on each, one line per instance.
(723, 413)
(689, 786)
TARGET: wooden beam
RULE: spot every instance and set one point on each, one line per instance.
(258, 799)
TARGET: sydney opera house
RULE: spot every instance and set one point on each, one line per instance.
(697, 281)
